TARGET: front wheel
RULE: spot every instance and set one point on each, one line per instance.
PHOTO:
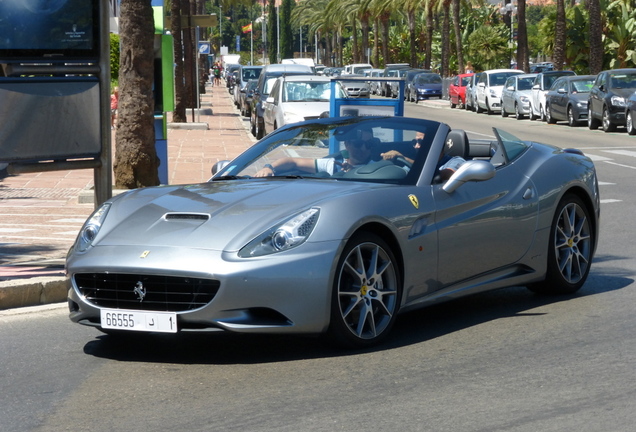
(366, 292)
(572, 121)
(608, 126)
(592, 123)
(570, 248)
(629, 123)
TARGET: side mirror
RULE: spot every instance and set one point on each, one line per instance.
(561, 91)
(219, 166)
(270, 99)
(471, 171)
(481, 84)
(511, 88)
(536, 87)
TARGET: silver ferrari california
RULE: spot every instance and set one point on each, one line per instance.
(335, 226)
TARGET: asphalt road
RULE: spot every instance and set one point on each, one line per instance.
(501, 361)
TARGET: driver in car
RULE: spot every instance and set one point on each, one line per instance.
(358, 153)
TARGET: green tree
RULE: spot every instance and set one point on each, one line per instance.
(286, 35)
(272, 32)
(136, 162)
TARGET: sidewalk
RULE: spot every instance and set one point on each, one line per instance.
(41, 213)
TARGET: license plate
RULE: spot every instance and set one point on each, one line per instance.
(119, 319)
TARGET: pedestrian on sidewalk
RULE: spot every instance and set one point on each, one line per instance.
(114, 103)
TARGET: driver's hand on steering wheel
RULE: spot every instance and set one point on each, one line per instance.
(391, 154)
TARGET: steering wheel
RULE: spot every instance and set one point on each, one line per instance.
(402, 162)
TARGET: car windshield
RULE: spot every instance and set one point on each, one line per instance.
(465, 81)
(297, 91)
(623, 81)
(250, 74)
(345, 148)
(428, 79)
(526, 83)
(582, 86)
(498, 79)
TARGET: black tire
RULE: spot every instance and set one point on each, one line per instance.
(571, 120)
(629, 123)
(518, 114)
(532, 116)
(542, 115)
(570, 248)
(503, 111)
(366, 292)
(608, 126)
(488, 110)
(592, 123)
(548, 115)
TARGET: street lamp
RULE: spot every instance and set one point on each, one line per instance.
(510, 9)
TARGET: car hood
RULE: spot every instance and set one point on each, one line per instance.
(306, 109)
(624, 92)
(219, 215)
(428, 86)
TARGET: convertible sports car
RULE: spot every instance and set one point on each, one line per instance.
(334, 226)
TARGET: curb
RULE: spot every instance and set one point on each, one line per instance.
(32, 292)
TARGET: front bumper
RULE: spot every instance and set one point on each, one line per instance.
(288, 292)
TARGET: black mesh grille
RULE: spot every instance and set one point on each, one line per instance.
(160, 293)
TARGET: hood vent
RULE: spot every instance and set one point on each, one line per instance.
(187, 216)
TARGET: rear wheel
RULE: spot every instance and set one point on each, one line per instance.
(366, 292)
(569, 250)
(548, 115)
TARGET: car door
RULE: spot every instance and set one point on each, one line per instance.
(508, 95)
(270, 105)
(559, 99)
(481, 90)
(483, 226)
(597, 95)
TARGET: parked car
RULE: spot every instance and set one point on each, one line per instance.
(516, 94)
(541, 67)
(408, 81)
(342, 254)
(266, 80)
(395, 85)
(630, 114)
(542, 84)
(489, 89)
(374, 86)
(471, 92)
(298, 98)
(457, 90)
(608, 98)
(245, 74)
(357, 87)
(356, 68)
(426, 85)
(389, 71)
(567, 100)
(246, 98)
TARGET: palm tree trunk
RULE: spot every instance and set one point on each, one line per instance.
(136, 162)
(595, 36)
(458, 36)
(560, 36)
(179, 113)
(523, 56)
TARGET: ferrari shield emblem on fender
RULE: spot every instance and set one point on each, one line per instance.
(414, 201)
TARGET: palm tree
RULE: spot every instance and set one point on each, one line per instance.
(560, 36)
(595, 36)
(136, 162)
(179, 113)
(523, 57)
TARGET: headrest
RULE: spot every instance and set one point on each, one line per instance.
(456, 144)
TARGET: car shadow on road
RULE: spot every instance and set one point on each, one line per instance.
(411, 328)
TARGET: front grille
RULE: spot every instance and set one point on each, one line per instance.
(146, 292)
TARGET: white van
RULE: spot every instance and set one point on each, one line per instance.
(356, 68)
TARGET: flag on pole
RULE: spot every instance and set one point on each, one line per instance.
(247, 28)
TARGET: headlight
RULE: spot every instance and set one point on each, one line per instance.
(285, 236)
(89, 231)
(524, 99)
(582, 104)
(618, 101)
(493, 93)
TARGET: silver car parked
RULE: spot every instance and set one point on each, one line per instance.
(516, 94)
